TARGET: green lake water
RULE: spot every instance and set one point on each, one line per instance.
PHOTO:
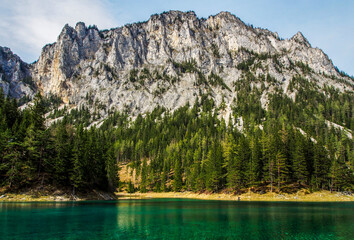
(176, 219)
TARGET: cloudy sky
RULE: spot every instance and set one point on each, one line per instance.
(27, 25)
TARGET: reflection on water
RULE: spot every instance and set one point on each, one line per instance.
(176, 219)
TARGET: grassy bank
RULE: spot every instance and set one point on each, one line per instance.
(301, 196)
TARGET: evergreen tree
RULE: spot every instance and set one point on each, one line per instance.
(62, 161)
(79, 160)
(282, 170)
(143, 183)
(112, 169)
(214, 171)
(299, 161)
(177, 178)
(341, 175)
(321, 166)
(237, 167)
(255, 166)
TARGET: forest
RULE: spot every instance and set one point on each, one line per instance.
(283, 148)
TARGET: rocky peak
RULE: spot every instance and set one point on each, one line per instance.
(172, 18)
(173, 15)
(81, 30)
(66, 31)
(6, 54)
(226, 19)
(300, 38)
(227, 16)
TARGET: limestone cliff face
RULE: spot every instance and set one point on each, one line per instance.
(138, 66)
(15, 76)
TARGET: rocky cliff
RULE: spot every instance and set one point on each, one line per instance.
(15, 75)
(167, 61)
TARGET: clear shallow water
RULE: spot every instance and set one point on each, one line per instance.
(176, 219)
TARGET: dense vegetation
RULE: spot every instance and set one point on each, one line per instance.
(290, 145)
(62, 155)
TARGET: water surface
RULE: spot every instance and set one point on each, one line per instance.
(176, 219)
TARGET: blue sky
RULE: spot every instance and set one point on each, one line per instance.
(27, 25)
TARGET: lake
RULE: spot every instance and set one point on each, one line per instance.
(176, 219)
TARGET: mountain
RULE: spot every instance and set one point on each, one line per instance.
(167, 60)
(177, 103)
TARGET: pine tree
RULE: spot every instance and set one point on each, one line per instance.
(237, 167)
(214, 163)
(188, 164)
(130, 188)
(282, 170)
(112, 169)
(177, 178)
(196, 180)
(19, 170)
(268, 161)
(321, 166)
(143, 182)
(299, 161)
(165, 175)
(37, 138)
(255, 165)
(78, 178)
(341, 175)
(62, 161)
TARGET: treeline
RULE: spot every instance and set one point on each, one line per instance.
(64, 156)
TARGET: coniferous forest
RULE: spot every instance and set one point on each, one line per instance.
(284, 148)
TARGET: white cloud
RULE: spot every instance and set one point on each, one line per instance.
(27, 25)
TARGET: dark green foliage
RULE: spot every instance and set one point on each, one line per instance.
(248, 102)
(321, 166)
(245, 65)
(215, 50)
(305, 69)
(51, 102)
(130, 188)
(112, 169)
(299, 161)
(133, 75)
(186, 67)
(237, 164)
(61, 155)
(143, 183)
(191, 67)
(201, 79)
(216, 80)
(23, 100)
(177, 178)
(253, 58)
(62, 162)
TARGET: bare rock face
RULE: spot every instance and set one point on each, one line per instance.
(168, 60)
(15, 76)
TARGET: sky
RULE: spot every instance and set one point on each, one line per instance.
(27, 25)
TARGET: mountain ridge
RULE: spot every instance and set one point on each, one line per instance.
(85, 61)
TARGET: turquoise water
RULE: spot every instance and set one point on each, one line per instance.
(176, 219)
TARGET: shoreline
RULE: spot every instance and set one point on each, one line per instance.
(322, 196)
(39, 196)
